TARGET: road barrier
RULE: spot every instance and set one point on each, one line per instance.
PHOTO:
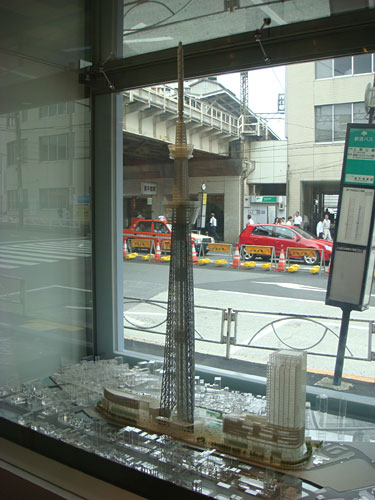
(292, 252)
(259, 330)
(261, 251)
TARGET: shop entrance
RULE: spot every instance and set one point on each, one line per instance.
(215, 204)
(319, 198)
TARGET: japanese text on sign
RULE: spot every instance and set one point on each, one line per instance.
(300, 252)
(258, 250)
(220, 247)
(141, 243)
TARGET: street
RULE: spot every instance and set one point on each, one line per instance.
(56, 270)
(263, 299)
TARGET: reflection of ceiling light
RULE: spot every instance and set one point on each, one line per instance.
(143, 40)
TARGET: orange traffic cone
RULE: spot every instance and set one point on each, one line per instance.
(194, 253)
(125, 250)
(281, 268)
(329, 268)
(157, 252)
(236, 264)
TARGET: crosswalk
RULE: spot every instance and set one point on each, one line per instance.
(14, 255)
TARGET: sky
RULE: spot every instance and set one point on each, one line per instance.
(264, 87)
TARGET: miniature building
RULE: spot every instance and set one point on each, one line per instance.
(286, 389)
(280, 436)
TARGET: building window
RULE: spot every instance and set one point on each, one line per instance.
(54, 110)
(53, 147)
(53, 197)
(344, 66)
(12, 155)
(12, 199)
(331, 120)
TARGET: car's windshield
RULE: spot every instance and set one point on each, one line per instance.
(304, 233)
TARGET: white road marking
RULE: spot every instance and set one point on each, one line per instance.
(21, 256)
(294, 286)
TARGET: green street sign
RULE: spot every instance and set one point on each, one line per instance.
(359, 165)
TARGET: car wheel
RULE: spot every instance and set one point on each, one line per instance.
(248, 256)
(312, 261)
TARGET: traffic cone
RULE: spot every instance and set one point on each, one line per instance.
(125, 250)
(329, 268)
(281, 265)
(157, 252)
(194, 253)
(236, 264)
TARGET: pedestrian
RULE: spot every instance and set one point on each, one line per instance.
(289, 222)
(276, 221)
(282, 220)
(297, 220)
(319, 228)
(327, 228)
(250, 221)
(212, 226)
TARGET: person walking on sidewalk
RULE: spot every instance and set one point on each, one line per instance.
(212, 227)
(327, 228)
(297, 220)
(319, 228)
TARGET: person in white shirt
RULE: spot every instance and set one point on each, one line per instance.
(289, 221)
(297, 220)
(212, 227)
(319, 228)
(326, 228)
(249, 220)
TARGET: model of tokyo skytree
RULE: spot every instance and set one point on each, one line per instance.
(178, 375)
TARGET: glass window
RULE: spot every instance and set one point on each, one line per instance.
(160, 227)
(283, 232)
(144, 226)
(359, 113)
(263, 231)
(323, 69)
(362, 64)
(53, 147)
(323, 123)
(342, 116)
(331, 120)
(342, 66)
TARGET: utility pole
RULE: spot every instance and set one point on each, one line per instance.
(19, 161)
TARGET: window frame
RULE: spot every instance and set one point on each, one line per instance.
(332, 106)
(352, 66)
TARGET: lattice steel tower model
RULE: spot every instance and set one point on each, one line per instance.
(178, 377)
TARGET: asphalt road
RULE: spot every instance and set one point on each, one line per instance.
(57, 271)
(263, 299)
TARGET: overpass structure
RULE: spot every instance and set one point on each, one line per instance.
(221, 134)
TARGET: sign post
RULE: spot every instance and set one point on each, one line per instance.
(352, 265)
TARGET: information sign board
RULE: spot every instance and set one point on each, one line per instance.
(352, 265)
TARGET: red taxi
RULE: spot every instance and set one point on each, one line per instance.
(282, 236)
(156, 229)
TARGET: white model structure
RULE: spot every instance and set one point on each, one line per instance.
(278, 437)
(286, 389)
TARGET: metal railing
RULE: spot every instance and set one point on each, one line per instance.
(317, 335)
(201, 112)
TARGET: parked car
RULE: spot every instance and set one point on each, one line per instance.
(281, 236)
(156, 229)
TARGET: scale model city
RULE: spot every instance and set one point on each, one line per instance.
(277, 437)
